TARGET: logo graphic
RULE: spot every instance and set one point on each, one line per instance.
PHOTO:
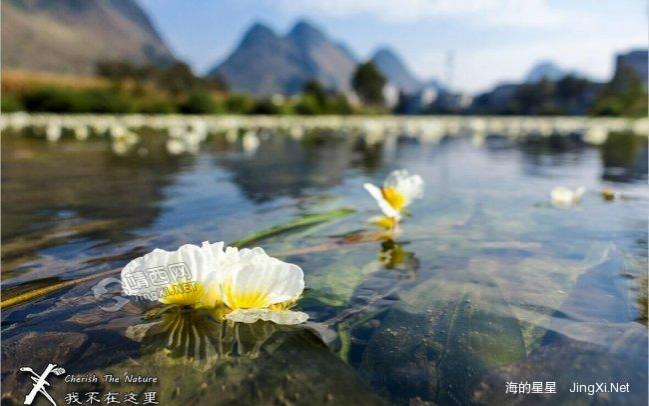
(40, 382)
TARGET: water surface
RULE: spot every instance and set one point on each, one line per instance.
(488, 283)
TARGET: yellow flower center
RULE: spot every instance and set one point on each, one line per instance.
(185, 293)
(385, 222)
(394, 197)
(243, 300)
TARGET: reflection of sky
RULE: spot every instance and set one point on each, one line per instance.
(222, 195)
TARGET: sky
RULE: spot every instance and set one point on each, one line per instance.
(491, 41)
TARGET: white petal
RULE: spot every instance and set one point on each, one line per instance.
(252, 271)
(562, 196)
(579, 193)
(286, 317)
(386, 208)
(410, 186)
(198, 264)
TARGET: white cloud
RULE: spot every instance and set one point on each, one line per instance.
(511, 13)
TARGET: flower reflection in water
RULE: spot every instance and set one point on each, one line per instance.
(201, 337)
(394, 256)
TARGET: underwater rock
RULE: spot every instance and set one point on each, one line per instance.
(199, 360)
(441, 335)
(566, 361)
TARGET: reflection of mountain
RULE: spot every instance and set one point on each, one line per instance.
(625, 157)
(282, 167)
(72, 35)
(53, 194)
(265, 63)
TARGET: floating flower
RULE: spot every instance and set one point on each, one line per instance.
(564, 197)
(248, 283)
(250, 142)
(53, 132)
(399, 190)
(258, 286)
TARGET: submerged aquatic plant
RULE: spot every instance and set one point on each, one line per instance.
(399, 190)
(610, 194)
(247, 284)
(564, 197)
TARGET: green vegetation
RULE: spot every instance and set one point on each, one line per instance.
(565, 96)
(123, 88)
(78, 101)
(568, 96)
(122, 99)
(10, 103)
(368, 83)
(239, 104)
(625, 95)
(308, 220)
(316, 100)
(175, 79)
(199, 103)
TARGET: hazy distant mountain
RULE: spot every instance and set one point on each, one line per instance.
(265, 63)
(396, 71)
(72, 35)
(635, 62)
(545, 70)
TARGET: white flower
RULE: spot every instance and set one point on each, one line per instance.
(187, 276)
(175, 146)
(250, 142)
(564, 197)
(249, 282)
(251, 279)
(53, 132)
(399, 190)
(81, 132)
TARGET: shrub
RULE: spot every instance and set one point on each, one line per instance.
(308, 105)
(368, 83)
(266, 107)
(239, 104)
(157, 106)
(55, 101)
(107, 101)
(199, 103)
(10, 104)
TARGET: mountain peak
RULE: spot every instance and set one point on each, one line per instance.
(305, 31)
(385, 53)
(260, 28)
(391, 66)
(256, 33)
(53, 35)
(265, 63)
(545, 70)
